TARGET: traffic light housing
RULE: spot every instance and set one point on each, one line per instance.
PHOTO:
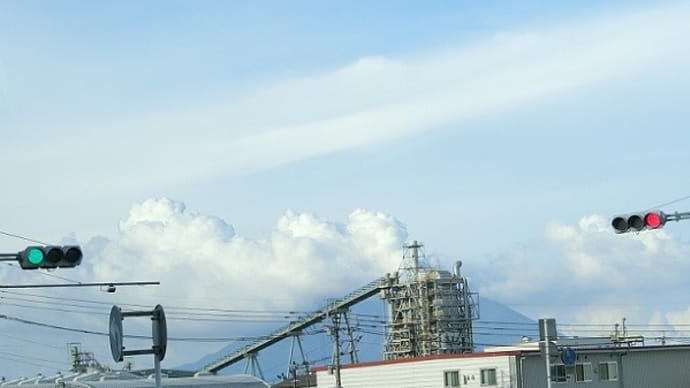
(638, 222)
(35, 257)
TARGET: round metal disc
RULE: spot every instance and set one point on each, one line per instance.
(116, 347)
(160, 331)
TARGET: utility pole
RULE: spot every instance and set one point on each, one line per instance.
(335, 332)
(547, 333)
(352, 350)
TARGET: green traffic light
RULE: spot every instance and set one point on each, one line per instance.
(35, 256)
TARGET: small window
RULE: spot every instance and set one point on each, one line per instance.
(488, 377)
(451, 378)
(608, 371)
(558, 374)
(583, 372)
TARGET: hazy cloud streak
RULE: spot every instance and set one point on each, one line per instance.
(374, 100)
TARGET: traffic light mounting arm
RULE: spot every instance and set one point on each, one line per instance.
(677, 216)
(8, 257)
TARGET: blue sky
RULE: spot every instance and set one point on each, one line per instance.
(504, 135)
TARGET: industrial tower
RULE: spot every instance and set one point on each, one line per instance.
(430, 311)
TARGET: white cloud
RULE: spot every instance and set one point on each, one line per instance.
(679, 319)
(373, 100)
(587, 273)
(513, 276)
(605, 317)
(595, 256)
(308, 257)
(201, 262)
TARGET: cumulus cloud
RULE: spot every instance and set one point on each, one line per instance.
(214, 282)
(679, 319)
(306, 258)
(586, 273)
(594, 256)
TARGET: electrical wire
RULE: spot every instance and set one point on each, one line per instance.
(23, 237)
(25, 301)
(26, 360)
(100, 333)
(173, 310)
(493, 328)
(669, 203)
(31, 358)
(22, 339)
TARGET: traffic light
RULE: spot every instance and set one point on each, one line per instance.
(35, 257)
(638, 221)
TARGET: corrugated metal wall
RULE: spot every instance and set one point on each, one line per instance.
(657, 369)
(639, 368)
(535, 373)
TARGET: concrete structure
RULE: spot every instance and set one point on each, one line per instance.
(593, 367)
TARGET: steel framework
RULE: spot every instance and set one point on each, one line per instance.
(430, 311)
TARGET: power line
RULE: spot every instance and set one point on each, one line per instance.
(670, 202)
(212, 312)
(23, 238)
(171, 317)
(30, 358)
(22, 339)
(100, 333)
(491, 328)
(23, 361)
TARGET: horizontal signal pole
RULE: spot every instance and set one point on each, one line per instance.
(111, 284)
(677, 216)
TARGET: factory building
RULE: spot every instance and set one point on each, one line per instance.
(591, 367)
(430, 311)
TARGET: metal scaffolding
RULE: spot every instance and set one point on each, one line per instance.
(430, 311)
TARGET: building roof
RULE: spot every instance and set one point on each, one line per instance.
(527, 349)
(421, 358)
(129, 380)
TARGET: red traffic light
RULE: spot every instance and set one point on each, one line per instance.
(654, 220)
(638, 222)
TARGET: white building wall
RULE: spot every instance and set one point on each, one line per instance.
(423, 373)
